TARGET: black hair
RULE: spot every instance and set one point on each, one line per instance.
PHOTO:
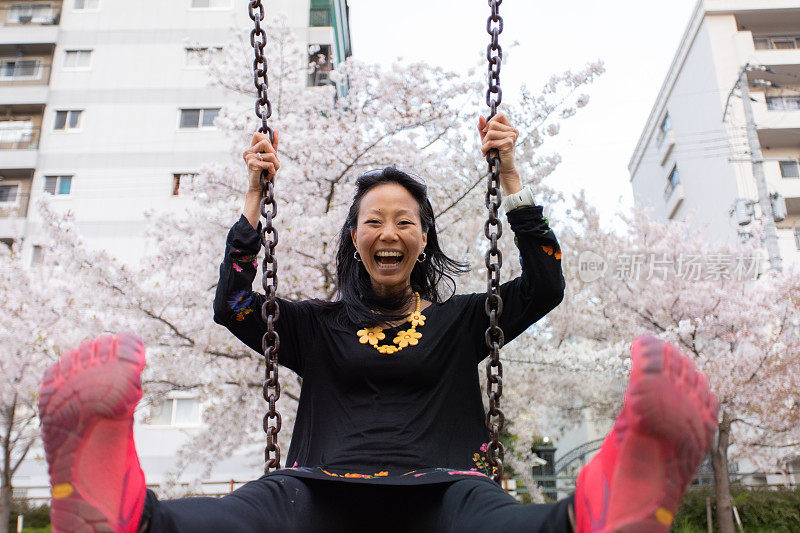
(356, 301)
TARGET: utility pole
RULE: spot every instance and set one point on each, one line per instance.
(770, 231)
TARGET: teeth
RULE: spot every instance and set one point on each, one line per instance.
(389, 254)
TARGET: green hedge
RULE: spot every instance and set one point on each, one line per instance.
(761, 510)
(37, 519)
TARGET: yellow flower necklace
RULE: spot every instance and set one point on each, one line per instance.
(409, 337)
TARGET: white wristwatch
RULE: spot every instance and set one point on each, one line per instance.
(520, 199)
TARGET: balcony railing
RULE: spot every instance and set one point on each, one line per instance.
(18, 137)
(777, 42)
(21, 71)
(783, 103)
(30, 13)
(15, 206)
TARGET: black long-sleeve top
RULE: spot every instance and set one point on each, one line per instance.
(415, 416)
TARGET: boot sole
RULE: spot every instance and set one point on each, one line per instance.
(100, 380)
(672, 418)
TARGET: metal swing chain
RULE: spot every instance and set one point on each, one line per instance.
(495, 419)
(269, 239)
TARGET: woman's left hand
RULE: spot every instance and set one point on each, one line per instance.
(500, 135)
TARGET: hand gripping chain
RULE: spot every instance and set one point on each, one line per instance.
(495, 419)
(269, 238)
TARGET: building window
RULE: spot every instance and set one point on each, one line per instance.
(184, 177)
(673, 180)
(194, 55)
(783, 103)
(320, 14)
(210, 4)
(797, 237)
(175, 412)
(319, 65)
(663, 129)
(68, 120)
(31, 13)
(84, 5)
(77, 59)
(8, 193)
(37, 255)
(789, 169)
(776, 42)
(59, 185)
(20, 69)
(198, 118)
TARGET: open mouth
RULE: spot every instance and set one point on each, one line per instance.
(388, 259)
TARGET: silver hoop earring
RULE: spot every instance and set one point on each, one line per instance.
(422, 257)
(356, 256)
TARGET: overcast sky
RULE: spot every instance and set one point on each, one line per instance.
(636, 39)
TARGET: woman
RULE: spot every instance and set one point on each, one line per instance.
(390, 430)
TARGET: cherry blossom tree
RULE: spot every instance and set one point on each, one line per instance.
(36, 315)
(740, 325)
(413, 115)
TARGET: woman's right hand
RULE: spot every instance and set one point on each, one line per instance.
(262, 155)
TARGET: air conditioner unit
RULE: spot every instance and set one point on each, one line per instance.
(25, 19)
(778, 206)
(743, 211)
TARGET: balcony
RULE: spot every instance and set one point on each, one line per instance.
(14, 200)
(19, 143)
(777, 111)
(774, 42)
(29, 22)
(24, 79)
(788, 186)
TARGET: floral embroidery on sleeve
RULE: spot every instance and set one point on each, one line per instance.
(549, 251)
(241, 303)
(240, 260)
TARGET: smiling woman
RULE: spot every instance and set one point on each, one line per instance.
(389, 249)
(390, 408)
(391, 432)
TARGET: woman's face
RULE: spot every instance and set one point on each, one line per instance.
(389, 236)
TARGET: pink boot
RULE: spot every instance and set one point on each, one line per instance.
(86, 405)
(637, 480)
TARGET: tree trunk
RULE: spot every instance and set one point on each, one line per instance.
(722, 489)
(6, 490)
(5, 505)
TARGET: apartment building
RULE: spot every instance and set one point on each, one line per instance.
(692, 157)
(104, 106)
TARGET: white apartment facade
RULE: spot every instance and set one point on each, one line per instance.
(104, 106)
(688, 162)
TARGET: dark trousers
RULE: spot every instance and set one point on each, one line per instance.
(284, 504)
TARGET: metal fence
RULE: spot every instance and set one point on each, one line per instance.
(30, 14)
(555, 487)
(39, 494)
(22, 71)
(19, 137)
(15, 206)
